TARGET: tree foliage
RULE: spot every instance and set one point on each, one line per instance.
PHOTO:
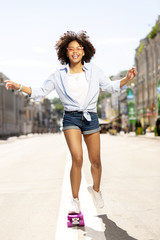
(59, 107)
(140, 49)
(154, 31)
(102, 95)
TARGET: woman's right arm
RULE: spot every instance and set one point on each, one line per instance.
(16, 86)
(35, 93)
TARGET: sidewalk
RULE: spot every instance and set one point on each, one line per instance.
(15, 138)
(149, 135)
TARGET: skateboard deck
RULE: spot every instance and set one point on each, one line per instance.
(75, 220)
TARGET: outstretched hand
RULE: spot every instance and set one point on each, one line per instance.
(131, 73)
(12, 85)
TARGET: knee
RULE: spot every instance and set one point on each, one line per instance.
(77, 161)
(96, 163)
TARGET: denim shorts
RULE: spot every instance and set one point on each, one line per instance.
(76, 120)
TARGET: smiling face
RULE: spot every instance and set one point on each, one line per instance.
(75, 52)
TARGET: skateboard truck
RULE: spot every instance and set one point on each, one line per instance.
(75, 220)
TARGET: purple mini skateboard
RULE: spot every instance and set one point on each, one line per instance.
(75, 220)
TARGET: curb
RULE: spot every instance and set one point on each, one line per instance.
(147, 136)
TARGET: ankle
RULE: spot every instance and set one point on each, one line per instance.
(75, 197)
(96, 189)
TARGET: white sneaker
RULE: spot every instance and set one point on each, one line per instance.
(97, 197)
(74, 206)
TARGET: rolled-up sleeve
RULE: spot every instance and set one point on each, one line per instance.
(107, 85)
(47, 87)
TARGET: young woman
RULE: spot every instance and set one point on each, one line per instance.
(77, 83)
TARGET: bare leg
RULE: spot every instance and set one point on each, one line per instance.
(93, 145)
(74, 141)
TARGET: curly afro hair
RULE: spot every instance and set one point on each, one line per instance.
(82, 38)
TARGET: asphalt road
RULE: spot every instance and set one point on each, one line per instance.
(35, 190)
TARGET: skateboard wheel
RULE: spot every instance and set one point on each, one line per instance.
(81, 223)
(69, 224)
(81, 218)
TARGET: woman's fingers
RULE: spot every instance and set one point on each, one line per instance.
(8, 82)
(132, 72)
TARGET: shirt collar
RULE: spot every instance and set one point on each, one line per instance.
(86, 66)
(66, 66)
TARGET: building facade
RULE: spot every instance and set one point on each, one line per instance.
(20, 115)
(147, 61)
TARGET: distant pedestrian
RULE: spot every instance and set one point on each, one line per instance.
(144, 128)
(77, 83)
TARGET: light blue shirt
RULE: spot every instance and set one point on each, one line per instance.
(96, 80)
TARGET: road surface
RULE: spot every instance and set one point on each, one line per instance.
(35, 189)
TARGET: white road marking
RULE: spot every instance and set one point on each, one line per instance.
(92, 223)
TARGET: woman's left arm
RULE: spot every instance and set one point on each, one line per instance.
(130, 75)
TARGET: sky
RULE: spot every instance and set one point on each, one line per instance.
(30, 29)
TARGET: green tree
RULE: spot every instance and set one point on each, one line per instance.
(102, 95)
(140, 49)
(59, 107)
(154, 31)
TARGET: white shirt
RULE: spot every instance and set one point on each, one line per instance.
(96, 79)
(78, 87)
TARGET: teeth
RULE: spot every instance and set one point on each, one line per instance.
(75, 56)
